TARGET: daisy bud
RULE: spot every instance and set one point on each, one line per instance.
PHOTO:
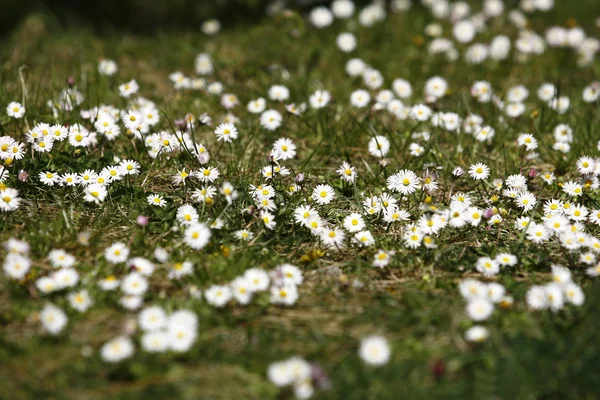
(320, 377)
(129, 327)
(189, 119)
(203, 158)
(71, 82)
(142, 220)
(438, 368)
(87, 351)
(532, 173)
(300, 177)
(458, 172)
(23, 175)
(489, 213)
(271, 158)
(205, 119)
(180, 124)
(430, 99)
(384, 162)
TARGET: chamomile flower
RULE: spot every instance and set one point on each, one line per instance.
(241, 290)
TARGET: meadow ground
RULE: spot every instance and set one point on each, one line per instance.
(543, 347)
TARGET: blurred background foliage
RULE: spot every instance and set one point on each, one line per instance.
(140, 16)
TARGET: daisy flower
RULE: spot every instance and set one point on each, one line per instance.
(374, 350)
(319, 99)
(218, 295)
(528, 141)
(332, 237)
(207, 174)
(129, 167)
(487, 266)
(285, 148)
(116, 253)
(271, 120)
(80, 300)
(382, 258)
(15, 110)
(346, 172)
(95, 193)
(133, 120)
(279, 93)
(226, 132)
(244, 235)
(479, 309)
(128, 88)
(268, 219)
(53, 319)
(257, 106)
(323, 194)
(404, 181)
(479, 171)
(364, 238)
(156, 200)
(285, 295)
(197, 235)
(477, 333)
(379, 146)
(16, 266)
(117, 349)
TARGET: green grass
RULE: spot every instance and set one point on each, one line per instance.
(414, 302)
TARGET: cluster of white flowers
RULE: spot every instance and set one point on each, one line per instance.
(556, 295)
(295, 372)
(404, 186)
